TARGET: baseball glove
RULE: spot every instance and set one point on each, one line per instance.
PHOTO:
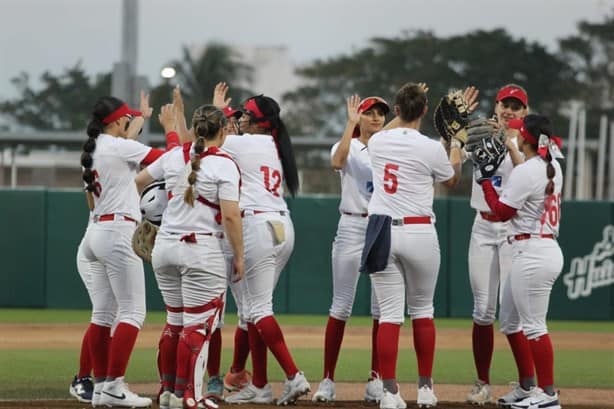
(487, 155)
(477, 130)
(451, 116)
(143, 240)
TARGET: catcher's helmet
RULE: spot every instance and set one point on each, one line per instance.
(153, 202)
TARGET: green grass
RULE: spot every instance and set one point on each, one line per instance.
(37, 316)
(47, 373)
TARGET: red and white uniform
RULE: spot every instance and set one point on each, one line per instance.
(406, 164)
(356, 190)
(490, 255)
(262, 205)
(536, 261)
(118, 282)
(185, 277)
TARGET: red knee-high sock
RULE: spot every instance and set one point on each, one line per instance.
(85, 360)
(215, 353)
(241, 351)
(483, 346)
(257, 348)
(190, 343)
(388, 349)
(332, 344)
(424, 344)
(374, 361)
(274, 339)
(122, 344)
(543, 355)
(167, 355)
(522, 355)
(99, 339)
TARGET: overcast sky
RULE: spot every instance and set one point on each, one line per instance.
(39, 35)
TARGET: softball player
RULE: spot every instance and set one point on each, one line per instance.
(264, 154)
(531, 200)
(490, 260)
(110, 164)
(203, 182)
(82, 387)
(350, 157)
(405, 165)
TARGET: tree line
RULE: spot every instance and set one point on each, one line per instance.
(582, 68)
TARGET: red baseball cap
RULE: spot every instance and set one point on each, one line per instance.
(230, 112)
(367, 103)
(512, 91)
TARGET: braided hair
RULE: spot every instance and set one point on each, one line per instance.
(102, 108)
(268, 117)
(207, 122)
(538, 125)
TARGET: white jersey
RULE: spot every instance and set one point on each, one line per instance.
(525, 192)
(498, 180)
(261, 171)
(356, 178)
(217, 179)
(116, 164)
(405, 165)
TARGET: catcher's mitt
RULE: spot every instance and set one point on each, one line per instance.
(451, 116)
(487, 155)
(143, 240)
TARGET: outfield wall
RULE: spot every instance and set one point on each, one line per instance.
(42, 229)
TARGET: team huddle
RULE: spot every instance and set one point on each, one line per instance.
(217, 193)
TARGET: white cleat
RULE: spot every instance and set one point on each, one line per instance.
(173, 402)
(325, 392)
(517, 394)
(294, 389)
(426, 397)
(165, 398)
(391, 400)
(480, 393)
(374, 389)
(116, 393)
(252, 394)
(538, 400)
(97, 394)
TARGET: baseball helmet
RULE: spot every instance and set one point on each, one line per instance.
(153, 202)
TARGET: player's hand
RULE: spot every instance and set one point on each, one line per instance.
(219, 95)
(238, 268)
(424, 87)
(144, 107)
(178, 100)
(353, 102)
(471, 96)
(167, 118)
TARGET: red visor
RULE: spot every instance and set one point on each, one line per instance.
(119, 112)
(542, 148)
(513, 92)
(251, 108)
(229, 112)
(365, 105)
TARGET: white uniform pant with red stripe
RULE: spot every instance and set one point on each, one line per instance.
(411, 274)
(490, 260)
(347, 249)
(117, 275)
(536, 264)
(265, 258)
(189, 274)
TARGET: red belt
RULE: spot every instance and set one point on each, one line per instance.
(356, 214)
(111, 217)
(191, 238)
(491, 217)
(526, 236)
(412, 220)
(254, 212)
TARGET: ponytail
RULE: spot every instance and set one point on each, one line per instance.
(199, 147)
(537, 126)
(550, 172)
(286, 154)
(94, 128)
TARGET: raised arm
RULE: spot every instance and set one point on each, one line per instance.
(340, 156)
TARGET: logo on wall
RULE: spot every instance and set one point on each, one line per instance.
(594, 270)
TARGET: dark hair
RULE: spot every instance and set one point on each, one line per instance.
(270, 113)
(411, 100)
(537, 125)
(207, 122)
(102, 108)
